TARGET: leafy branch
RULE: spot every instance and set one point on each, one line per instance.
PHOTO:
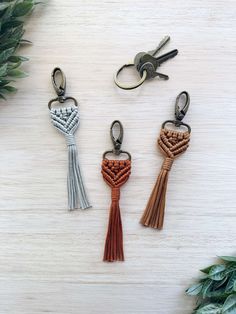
(216, 290)
(12, 17)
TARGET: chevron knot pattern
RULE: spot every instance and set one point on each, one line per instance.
(172, 144)
(66, 120)
(116, 172)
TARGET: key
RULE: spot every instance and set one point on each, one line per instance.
(146, 63)
(162, 43)
(166, 56)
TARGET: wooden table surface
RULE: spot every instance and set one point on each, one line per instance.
(51, 259)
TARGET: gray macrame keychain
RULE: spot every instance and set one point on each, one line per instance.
(66, 120)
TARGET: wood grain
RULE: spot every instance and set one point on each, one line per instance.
(50, 258)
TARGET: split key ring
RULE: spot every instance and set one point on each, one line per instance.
(146, 64)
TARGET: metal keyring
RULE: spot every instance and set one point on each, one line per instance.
(146, 64)
(62, 100)
(129, 87)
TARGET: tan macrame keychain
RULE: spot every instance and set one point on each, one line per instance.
(172, 143)
(115, 174)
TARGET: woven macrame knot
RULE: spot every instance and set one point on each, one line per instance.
(115, 194)
(167, 164)
(70, 140)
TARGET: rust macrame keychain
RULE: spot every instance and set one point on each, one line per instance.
(172, 143)
(115, 174)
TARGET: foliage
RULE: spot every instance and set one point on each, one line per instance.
(12, 17)
(216, 290)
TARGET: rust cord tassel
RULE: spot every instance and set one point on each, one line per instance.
(115, 174)
(172, 144)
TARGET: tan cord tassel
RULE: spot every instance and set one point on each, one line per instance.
(172, 144)
(115, 173)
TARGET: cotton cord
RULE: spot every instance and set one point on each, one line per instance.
(115, 174)
(171, 144)
(66, 120)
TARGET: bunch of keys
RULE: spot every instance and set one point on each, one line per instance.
(146, 64)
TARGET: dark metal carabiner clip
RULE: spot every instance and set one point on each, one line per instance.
(61, 88)
(59, 84)
(117, 141)
(180, 112)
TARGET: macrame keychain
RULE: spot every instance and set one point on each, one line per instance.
(115, 174)
(66, 120)
(171, 143)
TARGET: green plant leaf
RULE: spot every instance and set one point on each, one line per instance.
(8, 13)
(230, 284)
(3, 69)
(220, 283)
(218, 292)
(4, 55)
(4, 5)
(12, 23)
(25, 42)
(17, 33)
(2, 97)
(194, 289)
(210, 309)
(217, 295)
(207, 269)
(10, 89)
(11, 43)
(4, 82)
(228, 258)
(229, 306)
(17, 73)
(234, 286)
(16, 59)
(217, 272)
(12, 17)
(206, 288)
(23, 8)
(12, 66)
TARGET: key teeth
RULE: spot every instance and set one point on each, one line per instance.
(162, 76)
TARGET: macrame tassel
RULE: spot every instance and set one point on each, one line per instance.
(66, 120)
(115, 173)
(114, 241)
(154, 213)
(172, 144)
(76, 190)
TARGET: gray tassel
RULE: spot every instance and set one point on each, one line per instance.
(66, 120)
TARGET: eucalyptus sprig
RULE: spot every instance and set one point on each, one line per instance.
(216, 290)
(12, 17)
